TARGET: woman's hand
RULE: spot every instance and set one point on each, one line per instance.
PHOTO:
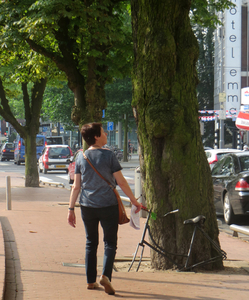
(71, 218)
(138, 206)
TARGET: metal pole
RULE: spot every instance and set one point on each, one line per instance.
(71, 137)
(221, 134)
(8, 193)
(216, 130)
(138, 191)
(119, 135)
(238, 141)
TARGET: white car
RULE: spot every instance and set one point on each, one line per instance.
(55, 157)
(214, 155)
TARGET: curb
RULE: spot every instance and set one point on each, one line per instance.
(2, 263)
(52, 183)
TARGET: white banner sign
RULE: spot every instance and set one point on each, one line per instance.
(232, 65)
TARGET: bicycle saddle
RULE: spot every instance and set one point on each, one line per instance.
(198, 219)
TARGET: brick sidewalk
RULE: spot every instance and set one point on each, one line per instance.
(39, 243)
(16, 179)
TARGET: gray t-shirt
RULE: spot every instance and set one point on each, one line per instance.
(95, 192)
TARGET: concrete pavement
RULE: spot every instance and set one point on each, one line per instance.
(45, 256)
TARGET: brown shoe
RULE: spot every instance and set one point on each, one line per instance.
(107, 285)
(92, 286)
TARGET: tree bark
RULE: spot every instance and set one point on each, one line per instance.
(29, 131)
(95, 89)
(174, 167)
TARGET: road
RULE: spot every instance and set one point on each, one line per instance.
(61, 176)
(129, 174)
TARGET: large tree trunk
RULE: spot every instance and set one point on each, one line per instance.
(174, 166)
(31, 172)
(32, 115)
(95, 89)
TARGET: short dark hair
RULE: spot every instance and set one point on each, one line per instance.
(89, 131)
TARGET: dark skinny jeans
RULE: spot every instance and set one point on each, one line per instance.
(108, 218)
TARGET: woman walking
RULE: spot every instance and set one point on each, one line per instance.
(98, 202)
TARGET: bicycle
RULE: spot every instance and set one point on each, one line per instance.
(197, 222)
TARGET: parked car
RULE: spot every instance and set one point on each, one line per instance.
(214, 155)
(19, 153)
(231, 185)
(7, 151)
(71, 168)
(55, 157)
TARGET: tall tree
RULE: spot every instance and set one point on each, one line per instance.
(32, 102)
(173, 163)
(22, 66)
(83, 38)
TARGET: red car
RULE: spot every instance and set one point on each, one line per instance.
(71, 168)
(55, 157)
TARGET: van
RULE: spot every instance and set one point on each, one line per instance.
(55, 140)
(19, 153)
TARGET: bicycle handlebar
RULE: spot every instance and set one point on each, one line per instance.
(171, 212)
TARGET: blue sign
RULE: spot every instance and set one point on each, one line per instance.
(44, 129)
(103, 111)
(110, 126)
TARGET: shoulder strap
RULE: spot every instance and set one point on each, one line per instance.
(97, 171)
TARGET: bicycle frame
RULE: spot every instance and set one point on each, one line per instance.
(158, 249)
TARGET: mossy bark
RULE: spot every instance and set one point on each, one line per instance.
(31, 172)
(174, 167)
(31, 129)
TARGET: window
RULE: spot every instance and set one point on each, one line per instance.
(227, 167)
(9, 146)
(244, 163)
(217, 167)
(39, 141)
(59, 152)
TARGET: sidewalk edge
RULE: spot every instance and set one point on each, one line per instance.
(2, 263)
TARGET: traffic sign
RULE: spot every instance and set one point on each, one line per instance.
(110, 126)
(222, 97)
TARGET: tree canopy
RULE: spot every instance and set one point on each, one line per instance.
(119, 97)
(57, 104)
(88, 40)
